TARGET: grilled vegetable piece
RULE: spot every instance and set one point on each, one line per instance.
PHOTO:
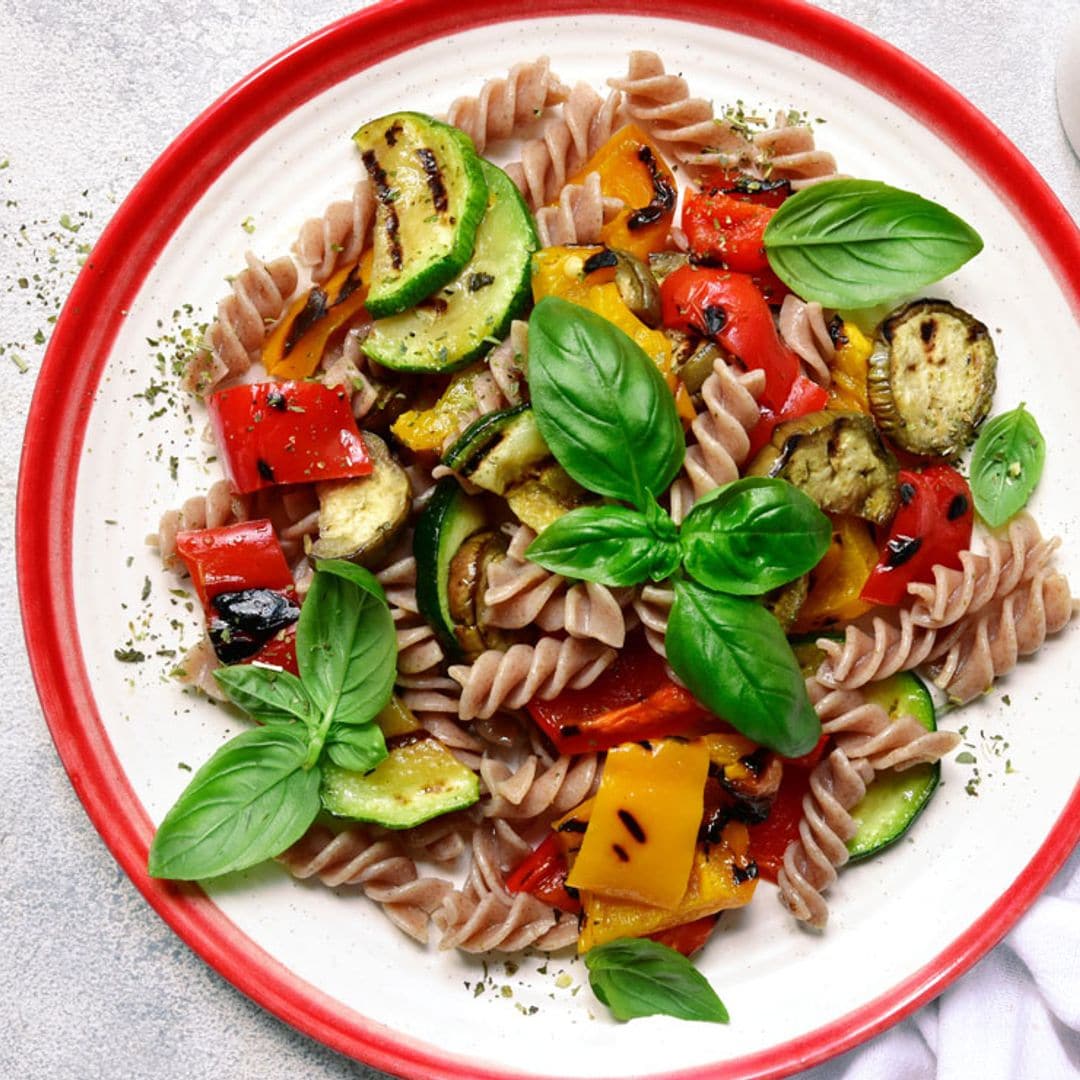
(448, 520)
(499, 449)
(466, 583)
(360, 519)
(545, 497)
(838, 459)
(463, 318)
(430, 197)
(895, 799)
(932, 377)
(419, 779)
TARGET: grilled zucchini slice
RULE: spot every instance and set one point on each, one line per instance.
(430, 196)
(360, 519)
(932, 377)
(838, 459)
(498, 450)
(465, 316)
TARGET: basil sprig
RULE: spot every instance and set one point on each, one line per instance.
(856, 243)
(638, 977)
(259, 793)
(741, 540)
(606, 415)
(1006, 464)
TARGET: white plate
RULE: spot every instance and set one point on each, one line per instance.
(902, 925)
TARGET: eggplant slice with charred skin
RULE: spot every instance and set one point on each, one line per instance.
(932, 377)
(466, 585)
(838, 459)
(359, 520)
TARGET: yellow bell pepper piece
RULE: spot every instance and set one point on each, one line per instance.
(295, 346)
(428, 429)
(723, 876)
(623, 163)
(836, 581)
(849, 370)
(639, 844)
(560, 271)
(726, 751)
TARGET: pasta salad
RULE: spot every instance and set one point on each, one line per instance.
(580, 536)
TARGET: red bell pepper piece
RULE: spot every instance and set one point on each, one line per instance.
(241, 561)
(727, 230)
(740, 185)
(690, 937)
(931, 528)
(542, 874)
(769, 839)
(729, 308)
(634, 699)
(286, 433)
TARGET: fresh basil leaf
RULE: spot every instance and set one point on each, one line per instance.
(601, 405)
(271, 696)
(856, 243)
(607, 544)
(638, 977)
(359, 747)
(734, 658)
(753, 535)
(1006, 465)
(345, 644)
(248, 803)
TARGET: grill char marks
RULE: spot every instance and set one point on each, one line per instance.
(386, 196)
(434, 179)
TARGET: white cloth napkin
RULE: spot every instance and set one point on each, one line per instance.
(1015, 1015)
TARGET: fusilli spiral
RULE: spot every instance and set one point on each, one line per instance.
(504, 106)
(531, 789)
(579, 215)
(652, 605)
(836, 785)
(338, 237)
(506, 362)
(983, 577)
(804, 330)
(787, 151)
(219, 506)
(507, 680)
(720, 432)
(380, 867)
(584, 124)
(259, 295)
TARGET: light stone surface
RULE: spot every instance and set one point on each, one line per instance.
(92, 983)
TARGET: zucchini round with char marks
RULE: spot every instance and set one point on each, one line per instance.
(464, 316)
(430, 195)
(838, 459)
(932, 377)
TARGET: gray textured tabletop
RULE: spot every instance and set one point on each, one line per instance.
(94, 984)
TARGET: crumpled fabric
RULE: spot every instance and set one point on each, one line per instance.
(1016, 1014)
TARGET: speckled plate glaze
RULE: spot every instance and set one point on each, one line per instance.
(96, 474)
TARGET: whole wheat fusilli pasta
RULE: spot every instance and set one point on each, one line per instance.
(579, 215)
(219, 506)
(804, 331)
(982, 578)
(506, 106)
(379, 866)
(532, 789)
(507, 680)
(338, 237)
(259, 296)
(506, 362)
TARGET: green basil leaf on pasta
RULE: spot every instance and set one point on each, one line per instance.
(359, 747)
(269, 695)
(346, 646)
(1006, 464)
(611, 545)
(248, 803)
(734, 658)
(753, 535)
(601, 405)
(638, 977)
(856, 243)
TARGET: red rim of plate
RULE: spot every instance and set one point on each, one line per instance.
(92, 318)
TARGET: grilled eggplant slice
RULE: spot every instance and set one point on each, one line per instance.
(430, 196)
(932, 377)
(460, 321)
(466, 585)
(838, 459)
(360, 519)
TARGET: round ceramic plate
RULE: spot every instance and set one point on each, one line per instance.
(111, 443)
